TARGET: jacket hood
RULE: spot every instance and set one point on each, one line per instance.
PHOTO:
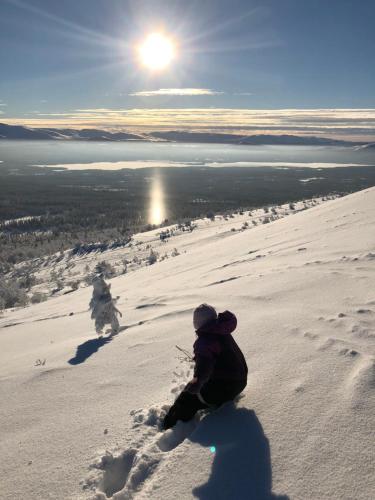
(225, 324)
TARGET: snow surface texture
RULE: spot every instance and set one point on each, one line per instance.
(85, 423)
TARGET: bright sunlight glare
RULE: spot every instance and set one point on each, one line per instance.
(157, 51)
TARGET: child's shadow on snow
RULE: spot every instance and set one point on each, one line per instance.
(88, 348)
(242, 463)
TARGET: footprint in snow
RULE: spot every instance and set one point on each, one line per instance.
(116, 471)
(127, 471)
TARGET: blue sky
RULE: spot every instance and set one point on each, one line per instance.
(74, 62)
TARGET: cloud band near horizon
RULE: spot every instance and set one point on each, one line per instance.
(358, 124)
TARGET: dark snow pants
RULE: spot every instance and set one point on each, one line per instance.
(214, 393)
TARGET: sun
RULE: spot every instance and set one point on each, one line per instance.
(157, 51)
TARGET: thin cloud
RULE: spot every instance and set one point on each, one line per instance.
(176, 92)
(343, 123)
(99, 110)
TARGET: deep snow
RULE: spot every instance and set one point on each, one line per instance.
(85, 423)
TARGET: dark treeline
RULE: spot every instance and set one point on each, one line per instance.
(62, 208)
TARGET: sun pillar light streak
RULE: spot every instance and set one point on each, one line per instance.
(157, 206)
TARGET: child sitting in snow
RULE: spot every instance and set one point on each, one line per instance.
(103, 307)
(220, 372)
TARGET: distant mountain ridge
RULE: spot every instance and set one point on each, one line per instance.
(260, 139)
(18, 132)
(26, 133)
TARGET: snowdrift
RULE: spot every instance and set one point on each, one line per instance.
(79, 414)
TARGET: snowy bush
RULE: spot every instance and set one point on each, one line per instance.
(190, 226)
(12, 295)
(57, 280)
(74, 284)
(175, 252)
(27, 281)
(53, 276)
(59, 284)
(164, 235)
(38, 297)
(153, 257)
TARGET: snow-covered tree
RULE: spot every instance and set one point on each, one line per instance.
(153, 257)
(105, 269)
(103, 308)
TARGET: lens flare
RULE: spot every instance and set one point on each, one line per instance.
(157, 51)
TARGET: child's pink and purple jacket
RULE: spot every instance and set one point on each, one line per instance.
(217, 355)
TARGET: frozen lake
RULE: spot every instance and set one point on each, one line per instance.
(117, 155)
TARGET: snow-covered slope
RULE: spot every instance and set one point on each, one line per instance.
(84, 424)
(62, 272)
